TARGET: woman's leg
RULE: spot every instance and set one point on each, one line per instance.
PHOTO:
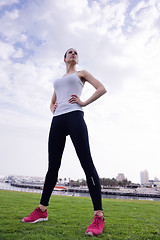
(56, 145)
(79, 135)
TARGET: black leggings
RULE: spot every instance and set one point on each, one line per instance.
(74, 125)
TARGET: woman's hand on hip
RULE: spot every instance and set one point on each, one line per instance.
(75, 99)
(53, 107)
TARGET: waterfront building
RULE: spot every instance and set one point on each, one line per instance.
(156, 179)
(144, 177)
(120, 177)
(157, 184)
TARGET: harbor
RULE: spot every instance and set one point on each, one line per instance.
(115, 193)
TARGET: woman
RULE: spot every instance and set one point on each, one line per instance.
(68, 120)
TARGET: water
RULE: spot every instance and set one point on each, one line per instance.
(7, 186)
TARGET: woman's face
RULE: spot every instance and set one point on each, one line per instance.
(71, 56)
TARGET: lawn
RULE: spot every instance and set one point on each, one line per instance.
(69, 216)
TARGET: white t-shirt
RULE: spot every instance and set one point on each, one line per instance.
(65, 87)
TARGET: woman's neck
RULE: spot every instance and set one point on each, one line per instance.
(70, 69)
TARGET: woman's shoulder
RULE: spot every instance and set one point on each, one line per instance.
(83, 74)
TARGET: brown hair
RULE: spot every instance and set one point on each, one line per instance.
(66, 52)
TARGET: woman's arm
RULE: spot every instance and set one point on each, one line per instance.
(100, 89)
(53, 104)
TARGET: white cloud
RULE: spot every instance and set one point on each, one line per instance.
(8, 2)
(12, 15)
(6, 50)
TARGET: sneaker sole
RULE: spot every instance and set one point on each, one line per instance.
(38, 220)
(90, 234)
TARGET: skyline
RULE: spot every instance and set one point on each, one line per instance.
(119, 176)
(118, 43)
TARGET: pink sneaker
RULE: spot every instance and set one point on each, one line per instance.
(36, 216)
(96, 227)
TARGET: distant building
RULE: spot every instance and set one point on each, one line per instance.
(154, 183)
(157, 184)
(144, 177)
(156, 179)
(120, 177)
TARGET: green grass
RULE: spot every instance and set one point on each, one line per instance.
(69, 216)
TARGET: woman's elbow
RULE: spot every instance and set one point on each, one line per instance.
(103, 90)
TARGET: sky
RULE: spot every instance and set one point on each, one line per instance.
(118, 42)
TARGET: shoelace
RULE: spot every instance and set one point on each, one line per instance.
(95, 222)
(34, 212)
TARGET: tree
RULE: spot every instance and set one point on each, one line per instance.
(83, 182)
(60, 180)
